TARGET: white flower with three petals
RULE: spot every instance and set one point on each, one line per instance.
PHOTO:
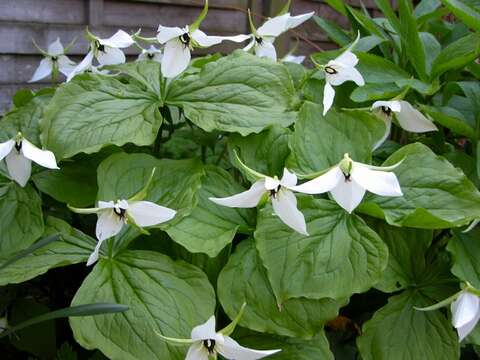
(262, 39)
(409, 118)
(283, 200)
(19, 154)
(55, 60)
(152, 53)
(465, 313)
(348, 181)
(106, 51)
(338, 71)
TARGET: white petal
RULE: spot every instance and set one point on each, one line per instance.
(232, 350)
(250, 45)
(147, 213)
(393, 105)
(328, 96)
(274, 26)
(285, 206)
(236, 38)
(166, 33)
(204, 331)
(347, 59)
(246, 199)
(348, 194)
(295, 21)
(466, 329)
(271, 183)
(388, 128)
(118, 40)
(19, 167)
(44, 69)
(6, 147)
(266, 49)
(321, 184)
(293, 59)
(289, 179)
(176, 57)
(110, 56)
(108, 224)
(92, 259)
(106, 204)
(197, 351)
(204, 40)
(413, 120)
(345, 73)
(383, 183)
(65, 65)
(43, 158)
(85, 64)
(464, 309)
(55, 48)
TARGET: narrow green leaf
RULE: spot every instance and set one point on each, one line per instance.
(467, 14)
(335, 32)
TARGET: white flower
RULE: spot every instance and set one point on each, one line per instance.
(293, 58)
(19, 154)
(262, 39)
(152, 53)
(283, 200)
(55, 60)
(465, 313)
(106, 51)
(338, 71)
(112, 216)
(348, 181)
(408, 117)
(206, 342)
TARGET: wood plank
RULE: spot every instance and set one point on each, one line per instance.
(7, 91)
(199, 3)
(95, 12)
(44, 11)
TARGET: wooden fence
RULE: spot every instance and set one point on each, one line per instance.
(45, 20)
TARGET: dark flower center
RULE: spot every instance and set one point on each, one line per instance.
(120, 212)
(185, 39)
(274, 192)
(210, 345)
(347, 177)
(54, 58)
(150, 55)
(99, 46)
(330, 70)
(386, 110)
(18, 146)
(259, 40)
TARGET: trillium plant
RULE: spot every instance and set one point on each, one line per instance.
(275, 201)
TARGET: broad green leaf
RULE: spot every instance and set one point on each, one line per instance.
(292, 348)
(93, 111)
(210, 227)
(463, 11)
(146, 72)
(342, 255)
(451, 119)
(399, 332)
(244, 280)
(297, 72)
(457, 54)
(465, 250)
(238, 93)
(163, 296)
(320, 142)
(432, 49)
(265, 152)
(72, 247)
(435, 194)
(471, 89)
(21, 219)
(426, 7)
(411, 39)
(334, 32)
(367, 43)
(372, 91)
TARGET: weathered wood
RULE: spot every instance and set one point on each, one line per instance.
(199, 3)
(95, 12)
(44, 11)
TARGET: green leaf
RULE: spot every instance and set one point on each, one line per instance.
(320, 142)
(146, 72)
(372, 91)
(265, 152)
(465, 250)
(210, 227)
(72, 247)
(451, 119)
(387, 10)
(93, 111)
(163, 296)
(237, 93)
(338, 5)
(399, 332)
(435, 194)
(463, 11)
(411, 38)
(298, 349)
(21, 219)
(432, 49)
(349, 256)
(334, 32)
(244, 279)
(457, 54)
(366, 22)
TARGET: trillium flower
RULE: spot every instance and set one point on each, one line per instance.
(262, 39)
(348, 181)
(106, 51)
(338, 71)
(19, 154)
(55, 60)
(180, 42)
(283, 200)
(206, 342)
(409, 118)
(152, 53)
(293, 58)
(465, 313)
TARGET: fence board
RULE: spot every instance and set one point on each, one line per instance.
(44, 11)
